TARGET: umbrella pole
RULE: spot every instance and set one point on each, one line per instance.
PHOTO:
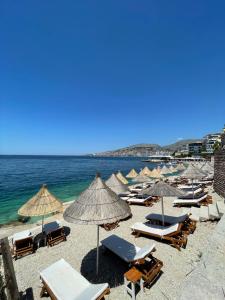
(162, 204)
(97, 259)
(42, 225)
(192, 189)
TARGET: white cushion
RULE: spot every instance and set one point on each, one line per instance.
(68, 284)
(126, 250)
(155, 229)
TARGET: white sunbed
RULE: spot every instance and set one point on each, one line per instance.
(156, 230)
(190, 202)
(195, 191)
(65, 283)
(187, 187)
(21, 235)
(52, 226)
(125, 250)
(139, 199)
(167, 219)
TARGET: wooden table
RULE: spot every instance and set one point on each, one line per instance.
(133, 277)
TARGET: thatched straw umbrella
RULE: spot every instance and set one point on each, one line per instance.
(162, 189)
(132, 174)
(120, 176)
(116, 185)
(97, 205)
(180, 167)
(145, 172)
(41, 204)
(156, 174)
(172, 169)
(165, 170)
(141, 178)
(192, 173)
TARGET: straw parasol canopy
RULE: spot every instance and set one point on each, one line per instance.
(41, 204)
(116, 185)
(141, 178)
(180, 167)
(97, 205)
(156, 174)
(132, 174)
(121, 178)
(145, 172)
(162, 189)
(193, 172)
(165, 170)
(172, 169)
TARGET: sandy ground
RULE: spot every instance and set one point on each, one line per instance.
(80, 251)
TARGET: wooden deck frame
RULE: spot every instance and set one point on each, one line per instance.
(46, 290)
(23, 247)
(177, 239)
(56, 236)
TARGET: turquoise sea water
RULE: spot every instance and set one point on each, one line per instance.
(66, 177)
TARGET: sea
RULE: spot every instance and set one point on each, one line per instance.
(66, 177)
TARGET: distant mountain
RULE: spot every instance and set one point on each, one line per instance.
(146, 149)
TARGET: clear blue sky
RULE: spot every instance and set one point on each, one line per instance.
(84, 76)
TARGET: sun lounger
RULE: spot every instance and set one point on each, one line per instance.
(188, 225)
(62, 282)
(141, 200)
(188, 187)
(125, 250)
(203, 200)
(172, 233)
(194, 192)
(22, 243)
(54, 233)
(191, 196)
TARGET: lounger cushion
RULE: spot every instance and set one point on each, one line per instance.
(126, 250)
(155, 229)
(52, 226)
(68, 284)
(167, 219)
(190, 201)
(21, 235)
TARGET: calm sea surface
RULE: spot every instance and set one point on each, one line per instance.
(66, 177)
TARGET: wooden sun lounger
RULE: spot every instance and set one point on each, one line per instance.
(173, 233)
(127, 251)
(203, 200)
(62, 282)
(22, 243)
(141, 200)
(54, 233)
(188, 225)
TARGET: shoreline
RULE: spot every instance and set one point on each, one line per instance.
(17, 223)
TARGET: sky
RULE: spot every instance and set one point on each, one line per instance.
(82, 76)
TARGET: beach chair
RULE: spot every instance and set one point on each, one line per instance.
(173, 233)
(150, 267)
(62, 282)
(204, 199)
(54, 233)
(22, 243)
(141, 200)
(188, 225)
(127, 251)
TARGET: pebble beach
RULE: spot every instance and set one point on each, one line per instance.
(80, 251)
